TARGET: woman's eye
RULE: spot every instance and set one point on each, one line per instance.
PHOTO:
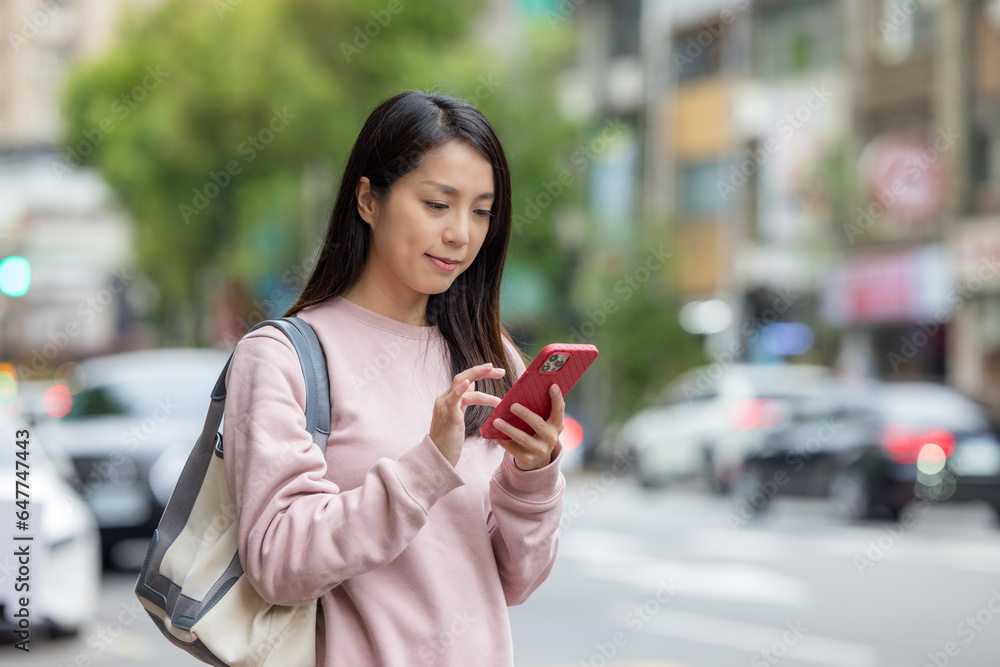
(484, 214)
(438, 206)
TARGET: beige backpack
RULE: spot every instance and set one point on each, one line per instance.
(192, 583)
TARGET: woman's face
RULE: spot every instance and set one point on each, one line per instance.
(441, 209)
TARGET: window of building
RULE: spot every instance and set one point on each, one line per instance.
(625, 15)
(906, 27)
(697, 194)
(796, 37)
(696, 53)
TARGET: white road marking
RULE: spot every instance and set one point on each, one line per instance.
(757, 638)
(613, 557)
(891, 543)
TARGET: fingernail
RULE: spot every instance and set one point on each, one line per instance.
(498, 422)
(516, 407)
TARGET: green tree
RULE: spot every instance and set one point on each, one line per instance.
(249, 99)
(630, 311)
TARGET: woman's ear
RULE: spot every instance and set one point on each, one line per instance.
(367, 206)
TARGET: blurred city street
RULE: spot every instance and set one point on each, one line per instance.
(670, 578)
(777, 220)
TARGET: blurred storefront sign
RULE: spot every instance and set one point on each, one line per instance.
(906, 180)
(873, 288)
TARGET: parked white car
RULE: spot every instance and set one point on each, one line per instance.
(60, 569)
(703, 423)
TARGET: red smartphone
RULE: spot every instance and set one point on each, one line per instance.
(557, 363)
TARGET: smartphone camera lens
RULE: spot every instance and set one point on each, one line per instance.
(553, 363)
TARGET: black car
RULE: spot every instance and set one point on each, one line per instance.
(873, 447)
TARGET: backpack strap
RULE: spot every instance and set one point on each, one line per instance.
(313, 363)
(163, 597)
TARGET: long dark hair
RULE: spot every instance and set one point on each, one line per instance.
(391, 143)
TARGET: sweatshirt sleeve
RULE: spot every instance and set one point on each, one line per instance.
(526, 507)
(299, 534)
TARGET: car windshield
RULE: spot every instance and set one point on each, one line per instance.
(177, 396)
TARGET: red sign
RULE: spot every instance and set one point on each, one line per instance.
(906, 176)
(889, 287)
(881, 290)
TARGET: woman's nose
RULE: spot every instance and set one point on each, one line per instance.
(458, 229)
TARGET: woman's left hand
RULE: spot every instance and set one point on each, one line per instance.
(532, 452)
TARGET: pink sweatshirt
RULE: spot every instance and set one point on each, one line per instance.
(415, 561)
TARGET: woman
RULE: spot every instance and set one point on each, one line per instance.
(414, 532)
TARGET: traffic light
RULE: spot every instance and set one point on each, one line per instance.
(15, 276)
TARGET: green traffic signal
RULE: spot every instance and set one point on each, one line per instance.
(15, 276)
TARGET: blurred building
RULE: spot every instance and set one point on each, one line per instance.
(79, 246)
(974, 348)
(59, 216)
(44, 39)
(827, 168)
(918, 276)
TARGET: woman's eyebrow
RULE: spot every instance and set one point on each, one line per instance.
(448, 190)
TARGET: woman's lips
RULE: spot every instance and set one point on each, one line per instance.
(441, 264)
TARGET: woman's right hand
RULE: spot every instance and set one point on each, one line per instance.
(448, 422)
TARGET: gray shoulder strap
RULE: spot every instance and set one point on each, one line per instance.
(313, 363)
